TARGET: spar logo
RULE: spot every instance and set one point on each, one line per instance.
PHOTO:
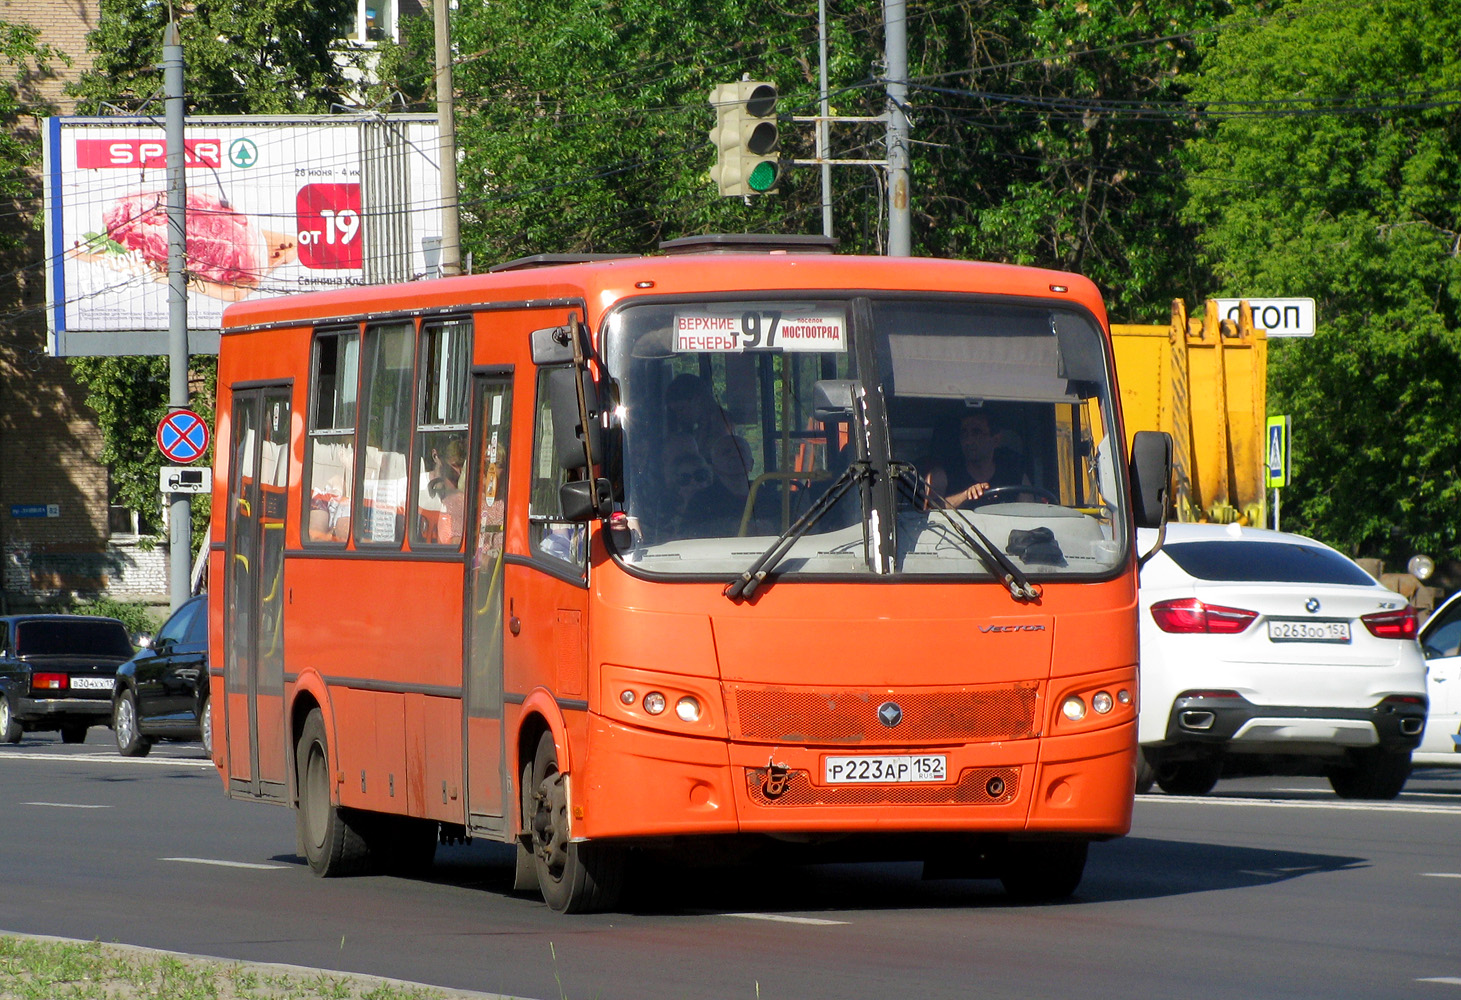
(144, 154)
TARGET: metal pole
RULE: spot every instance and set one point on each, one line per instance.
(180, 521)
(823, 126)
(451, 236)
(895, 32)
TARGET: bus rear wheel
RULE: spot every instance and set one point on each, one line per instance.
(573, 877)
(332, 843)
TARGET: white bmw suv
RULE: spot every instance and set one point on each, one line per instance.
(1271, 651)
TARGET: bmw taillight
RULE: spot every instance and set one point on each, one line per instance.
(49, 682)
(1400, 624)
(1188, 614)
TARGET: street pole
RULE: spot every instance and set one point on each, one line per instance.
(895, 40)
(180, 522)
(823, 126)
(451, 236)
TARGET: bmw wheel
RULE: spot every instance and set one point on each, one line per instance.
(130, 742)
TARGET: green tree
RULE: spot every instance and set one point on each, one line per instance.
(1044, 133)
(23, 61)
(1329, 168)
(262, 57)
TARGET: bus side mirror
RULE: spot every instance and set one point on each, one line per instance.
(1151, 477)
(551, 346)
(833, 400)
(569, 427)
(582, 499)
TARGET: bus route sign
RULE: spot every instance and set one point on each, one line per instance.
(182, 436)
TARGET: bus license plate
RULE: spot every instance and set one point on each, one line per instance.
(92, 683)
(1305, 631)
(885, 770)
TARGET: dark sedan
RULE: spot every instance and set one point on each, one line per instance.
(162, 691)
(57, 672)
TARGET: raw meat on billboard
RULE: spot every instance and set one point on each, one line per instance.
(228, 253)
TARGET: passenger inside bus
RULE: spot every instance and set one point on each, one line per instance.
(445, 484)
(691, 408)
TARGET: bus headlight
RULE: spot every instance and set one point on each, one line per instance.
(688, 709)
(1074, 709)
(1101, 702)
(654, 703)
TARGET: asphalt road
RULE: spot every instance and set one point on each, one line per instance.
(1268, 888)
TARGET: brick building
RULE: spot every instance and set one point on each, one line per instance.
(57, 531)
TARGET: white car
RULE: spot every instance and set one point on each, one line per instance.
(1440, 641)
(1275, 652)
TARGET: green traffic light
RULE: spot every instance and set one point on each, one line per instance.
(763, 177)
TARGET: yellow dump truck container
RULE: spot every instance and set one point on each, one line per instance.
(1204, 381)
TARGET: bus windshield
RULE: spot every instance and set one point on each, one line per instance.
(981, 417)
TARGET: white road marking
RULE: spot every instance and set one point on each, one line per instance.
(779, 918)
(1448, 980)
(64, 805)
(226, 864)
(109, 758)
(1441, 874)
(1337, 805)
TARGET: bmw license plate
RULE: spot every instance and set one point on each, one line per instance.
(92, 683)
(885, 770)
(1307, 631)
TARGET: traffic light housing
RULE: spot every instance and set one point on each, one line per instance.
(746, 138)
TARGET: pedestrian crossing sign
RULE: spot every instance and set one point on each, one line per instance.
(1276, 455)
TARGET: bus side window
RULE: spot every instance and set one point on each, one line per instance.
(550, 535)
(330, 466)
(388, 362)
(442, 399)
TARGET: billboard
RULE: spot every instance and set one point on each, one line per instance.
(274, 206)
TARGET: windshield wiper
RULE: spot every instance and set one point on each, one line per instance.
(743, 586)
(1019, 585)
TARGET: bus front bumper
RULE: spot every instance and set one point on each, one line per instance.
(640, 783)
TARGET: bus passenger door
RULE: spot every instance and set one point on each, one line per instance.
(492, 406)
(253, 632)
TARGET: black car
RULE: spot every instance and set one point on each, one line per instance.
(58, 672)
(162, 691)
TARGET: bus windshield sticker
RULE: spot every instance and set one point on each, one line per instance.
(774, 327)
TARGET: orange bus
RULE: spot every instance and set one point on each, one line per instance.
(743, 544)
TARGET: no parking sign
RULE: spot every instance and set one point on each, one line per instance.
(183, 436)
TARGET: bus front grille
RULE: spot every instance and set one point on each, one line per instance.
(963, 715)
(988, 786)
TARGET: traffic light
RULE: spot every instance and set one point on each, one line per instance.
(745, 138)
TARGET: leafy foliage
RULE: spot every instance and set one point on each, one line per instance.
(1330, 170)
(583, 127)
(264, 57)
(139, 618)
(261, 57)
(23, 61)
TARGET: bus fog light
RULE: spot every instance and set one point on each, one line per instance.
(1124, 696)
(654, 703)
(1101, 702)
(1074, 709)
(626, 696)
(688, 709)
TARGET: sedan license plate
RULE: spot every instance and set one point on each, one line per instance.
(1307, 631)
(92, 683)
(894, 769)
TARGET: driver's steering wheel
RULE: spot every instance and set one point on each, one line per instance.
(1000, 494)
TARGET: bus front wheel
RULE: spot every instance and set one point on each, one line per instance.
(1043, 872)
(573, 877)
(333, 845)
